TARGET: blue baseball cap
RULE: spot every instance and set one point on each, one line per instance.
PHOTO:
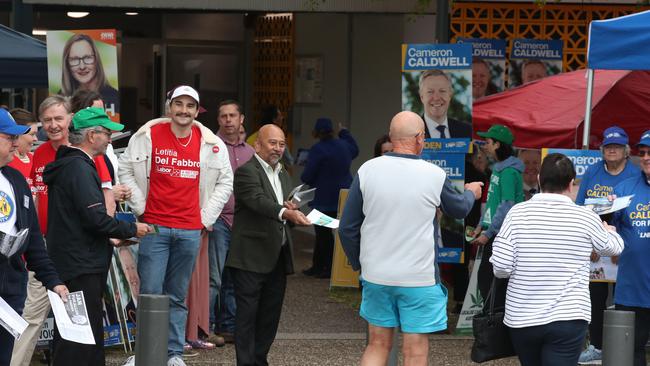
(614, 135)
(8, 125)
(645, 139)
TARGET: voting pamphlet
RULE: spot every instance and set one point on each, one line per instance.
(318, 218)
(10, 320)
(72, 317)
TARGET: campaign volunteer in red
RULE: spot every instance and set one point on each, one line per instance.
(180, 178)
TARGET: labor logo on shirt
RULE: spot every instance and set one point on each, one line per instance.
(7, 207)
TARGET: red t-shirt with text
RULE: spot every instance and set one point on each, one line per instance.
(25, 168)
(102, 169)
(43, 155)
(173, 198)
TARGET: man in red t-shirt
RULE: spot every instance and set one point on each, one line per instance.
(55, 116)
(180, 178)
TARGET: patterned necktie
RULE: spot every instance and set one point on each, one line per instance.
(441, 129)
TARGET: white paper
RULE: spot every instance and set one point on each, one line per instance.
(10, 244)
(603, 270)
(72, 317)
(318, 218)
(602, 206)
(10, 320)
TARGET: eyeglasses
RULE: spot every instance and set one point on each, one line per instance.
(643, 153)
(11, 138)
(87, 60)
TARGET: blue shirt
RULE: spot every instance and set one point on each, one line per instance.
(598, 183)
(633, 224)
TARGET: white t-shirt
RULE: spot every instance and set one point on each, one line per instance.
(7, 207)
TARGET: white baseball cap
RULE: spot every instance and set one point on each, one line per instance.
(185, 90)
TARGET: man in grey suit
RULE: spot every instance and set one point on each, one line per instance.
(261, 249)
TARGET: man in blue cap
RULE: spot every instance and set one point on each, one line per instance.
(18, 213)
(79, 227)
(598, 182)
(633, 224)
(327, 170)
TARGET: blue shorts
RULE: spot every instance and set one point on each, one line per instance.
(413, 309)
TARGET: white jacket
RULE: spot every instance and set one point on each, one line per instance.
(215, 179)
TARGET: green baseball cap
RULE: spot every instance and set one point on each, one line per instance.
(93, 117)
(500, 133)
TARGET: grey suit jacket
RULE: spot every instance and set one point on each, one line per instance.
(257, 233)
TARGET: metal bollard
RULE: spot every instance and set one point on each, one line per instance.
(618, 338)
(153, 330)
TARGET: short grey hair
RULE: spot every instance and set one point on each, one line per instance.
(627, 150)
(433, 72)
(52, 101)
(77, 137)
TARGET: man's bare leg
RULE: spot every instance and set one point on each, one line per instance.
(380, 341)
(415, 349)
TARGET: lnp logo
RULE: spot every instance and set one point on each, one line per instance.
(6, 207)
(215, 149)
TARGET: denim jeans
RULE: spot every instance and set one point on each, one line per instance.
(221, 286)
(172, 252)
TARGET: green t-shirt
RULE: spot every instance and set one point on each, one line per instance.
(505, 185)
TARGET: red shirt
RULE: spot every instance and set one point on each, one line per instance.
(102, 169)
(25, 168)
(44, 155)
(173, 198)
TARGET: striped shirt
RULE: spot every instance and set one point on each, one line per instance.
(544, 247)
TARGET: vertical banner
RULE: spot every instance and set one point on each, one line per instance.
(604, 269)
(449, 154)
(436, 80)
(84, 59)
(532, 59)
(488, 66)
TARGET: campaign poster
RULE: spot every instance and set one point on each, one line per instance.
(532, 59)
(604, 269)
(449, 154)
(488, 66)
(120, 297)
(84, 59)
(436, 84)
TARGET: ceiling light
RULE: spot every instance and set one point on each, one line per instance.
(39, 32)
(131, 13)
(77, 14)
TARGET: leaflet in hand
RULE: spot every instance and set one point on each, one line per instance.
(11, 244)
(301, 197)
(603, 206)
(10, 320)
(318, 218)
(72, 317)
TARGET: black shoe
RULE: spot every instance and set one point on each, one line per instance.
(324, 274)
(311, 271)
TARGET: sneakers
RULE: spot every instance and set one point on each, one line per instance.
(129, 361)
(201, 344)
(591, 356)
(176, 361)
(217, 339)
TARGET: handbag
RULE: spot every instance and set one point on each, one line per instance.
(491, 336)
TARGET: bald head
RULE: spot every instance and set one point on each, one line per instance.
(405, 124)
(407, 133)
(270, 144)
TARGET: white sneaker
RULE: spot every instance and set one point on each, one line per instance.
(129, 361)
(176, 361)
(591, 356)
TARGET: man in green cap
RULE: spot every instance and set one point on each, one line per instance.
(505, 190)
(79, 227)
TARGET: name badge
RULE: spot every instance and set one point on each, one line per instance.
(26, 202)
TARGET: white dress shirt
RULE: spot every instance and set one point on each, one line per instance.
(431, 125)
(274, 179)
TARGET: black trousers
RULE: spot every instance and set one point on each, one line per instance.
(323, 247)
(553, 344)
(485, 276)
(598, 292)
(259, 298)
(71, 353)
(641, 331)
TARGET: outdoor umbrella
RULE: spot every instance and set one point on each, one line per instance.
(550, 112)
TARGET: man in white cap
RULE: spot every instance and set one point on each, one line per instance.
(180, 178)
